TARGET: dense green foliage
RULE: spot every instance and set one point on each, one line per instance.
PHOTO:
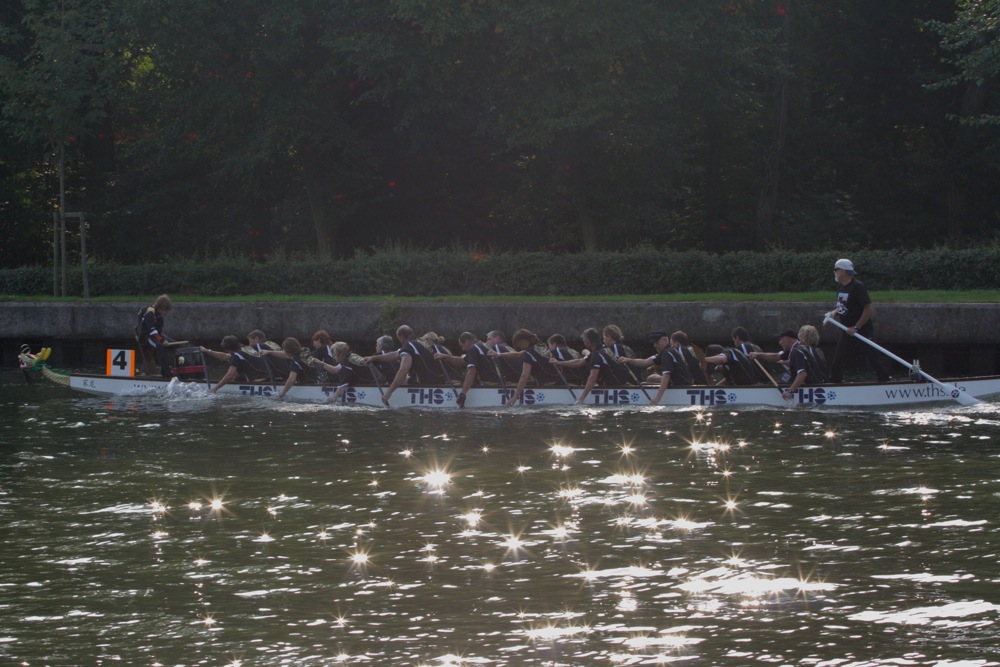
(453, 272)
(253, 127)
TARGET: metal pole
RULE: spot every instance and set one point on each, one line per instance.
(62, 213)
(55, 253)
(83, 254)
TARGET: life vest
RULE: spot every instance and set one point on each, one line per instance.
(148, 324)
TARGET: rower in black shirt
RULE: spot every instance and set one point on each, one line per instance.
(536, 362)
(238, 360)
(414, 359)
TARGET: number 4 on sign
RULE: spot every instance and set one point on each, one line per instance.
(121, 363)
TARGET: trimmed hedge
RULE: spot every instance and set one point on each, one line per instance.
(448, 272)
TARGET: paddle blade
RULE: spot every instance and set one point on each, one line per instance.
(964, 398)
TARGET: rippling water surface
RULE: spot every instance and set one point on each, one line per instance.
(186, 530)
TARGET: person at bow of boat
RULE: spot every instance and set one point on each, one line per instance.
(153, 343)
(734, 365)
(239, 362)
(415, 361)
(342, 367)
(479, 366)
(604, 370)
(292, 369)
(854, 310)
(536, 363)
(802, 361)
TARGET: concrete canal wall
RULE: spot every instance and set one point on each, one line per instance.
(955, 337)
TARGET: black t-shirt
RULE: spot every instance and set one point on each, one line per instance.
(851, 301)
(541, 367)
(385, 371)
(323, 354)
(610, 372)
(284, 367)
(243, 365)
(797, 362)
(617, 350)
(738, 368)
(486, 368)
(672, 363)
(815, 365)
(150, 324)
(422, 369)
(802, 360)
(572, 375)
(510, 368)
(345, 377)
(693, 366)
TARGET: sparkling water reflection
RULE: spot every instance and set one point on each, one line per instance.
(189, 530)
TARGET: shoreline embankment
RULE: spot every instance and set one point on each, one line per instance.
(954, 337)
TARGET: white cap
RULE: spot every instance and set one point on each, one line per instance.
(846, 265)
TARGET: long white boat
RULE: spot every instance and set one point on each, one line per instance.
(849, 395)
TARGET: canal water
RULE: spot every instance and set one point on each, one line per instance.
(189, 530)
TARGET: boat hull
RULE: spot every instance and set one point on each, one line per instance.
(853, 395)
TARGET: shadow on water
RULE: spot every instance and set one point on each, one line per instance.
(192, 530)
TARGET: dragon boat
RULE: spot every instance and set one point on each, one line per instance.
(192, 377)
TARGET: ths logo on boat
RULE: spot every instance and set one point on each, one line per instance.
(430, 396)
(528, 396)
(611, 397)
(257, 390)
(814, 395)
(708, 396)
(349, 395)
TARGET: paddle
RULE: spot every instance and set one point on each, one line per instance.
(616, 354)
(636, 380)
(375, 377)
(267, 365)
(204, 368)
(771, 378)
(496, 366)
(454, 390)
(563, 378)
(954, 392)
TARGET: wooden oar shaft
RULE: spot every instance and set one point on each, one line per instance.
(375, 377)
(769, 376)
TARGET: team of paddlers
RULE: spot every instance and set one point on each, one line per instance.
(528, 361)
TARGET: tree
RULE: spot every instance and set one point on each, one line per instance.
(972, 44)
(58, 71)
(253, 90)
